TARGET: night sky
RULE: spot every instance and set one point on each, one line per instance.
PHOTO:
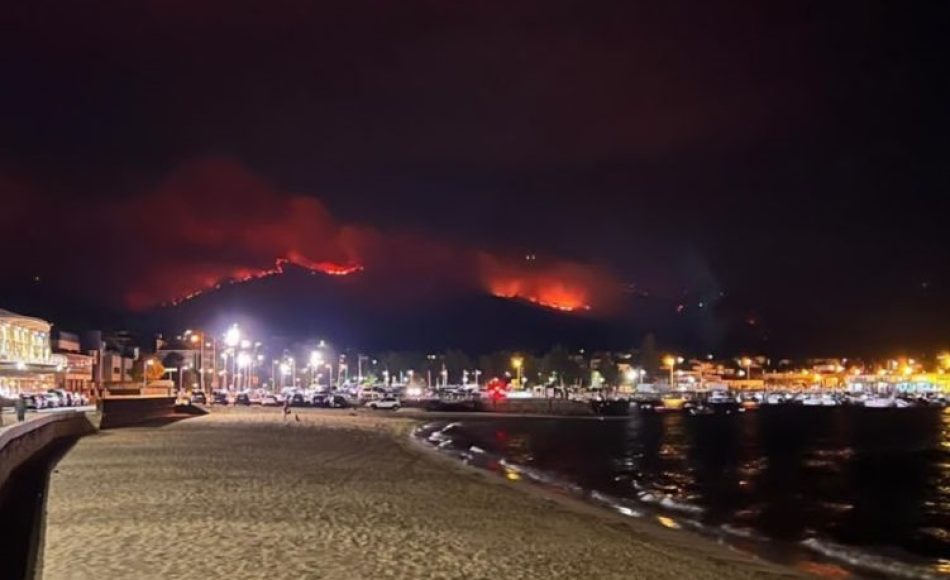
(782, 164)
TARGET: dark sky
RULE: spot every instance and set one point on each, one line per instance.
(785, 160)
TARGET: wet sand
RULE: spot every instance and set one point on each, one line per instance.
(244, 494)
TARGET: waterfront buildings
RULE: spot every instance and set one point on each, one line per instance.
(27, 362)
(78, 369)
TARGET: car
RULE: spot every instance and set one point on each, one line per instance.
(270, 400)
(242, 399)
(298, 400)
(198, 398)
(64, 397)
(33, 402)
(384, 403)
(221, 398)
(338, 402)
(53, 400)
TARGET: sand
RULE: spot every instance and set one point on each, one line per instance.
(245, 494)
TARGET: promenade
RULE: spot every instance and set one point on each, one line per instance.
(246, 494)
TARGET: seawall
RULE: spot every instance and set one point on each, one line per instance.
(127, 411)
(21, 442)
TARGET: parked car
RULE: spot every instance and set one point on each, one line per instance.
(242, 399)
(221, 398)
(32, 401)
(198, 398)
(384, 403)
(298, 400)
(270, 400)
(53, 400)
(338, 402)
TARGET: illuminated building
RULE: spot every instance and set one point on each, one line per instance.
(26, 362)
(76, 374)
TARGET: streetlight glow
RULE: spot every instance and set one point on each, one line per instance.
(233, 336)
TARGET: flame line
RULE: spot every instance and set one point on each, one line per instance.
(327, 268)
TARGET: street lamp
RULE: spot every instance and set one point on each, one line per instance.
(232, 337)
(747, 363)
(243, 361)
(670, 361)
(145, 367)
(316, 359)
(518, 363)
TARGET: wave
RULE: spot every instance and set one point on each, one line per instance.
(867, 560)
(653, 503)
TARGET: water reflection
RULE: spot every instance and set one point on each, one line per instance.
(878, 479)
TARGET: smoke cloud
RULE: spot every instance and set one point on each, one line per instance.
(212, 222)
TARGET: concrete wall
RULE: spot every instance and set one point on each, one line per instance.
(125, 411)
(22, 441)
(538, 407)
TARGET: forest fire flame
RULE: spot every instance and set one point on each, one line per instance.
(558, 285)
(562, 302)
(551, 295)
(233, 227)
(244, 275)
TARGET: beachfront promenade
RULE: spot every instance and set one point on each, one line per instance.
(246, 494)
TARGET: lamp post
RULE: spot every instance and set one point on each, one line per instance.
(243, 361)
(284, 371)
(316, 359)
(518, 363)
(747, 363)
(670, 361)
(200, 338)
(145, 366)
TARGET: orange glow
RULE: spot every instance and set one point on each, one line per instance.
(246, 275)
(559, 285)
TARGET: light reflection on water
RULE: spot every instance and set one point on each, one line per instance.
(877, 479)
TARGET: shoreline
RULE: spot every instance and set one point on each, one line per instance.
(392, 496)
(814, 556)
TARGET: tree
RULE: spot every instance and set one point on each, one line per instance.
(455, 362)
(559, 362)
(155, 370)
(173, 360)
(608, 371)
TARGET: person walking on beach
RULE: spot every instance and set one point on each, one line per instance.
(20, 406)
(286, 408)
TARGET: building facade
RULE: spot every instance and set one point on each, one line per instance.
(27, 363)
(77, 373)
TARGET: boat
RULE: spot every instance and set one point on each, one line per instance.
(879, 402)
(775, 399)
(720, 401)
(748, 403)
(611, 407)
(813, 400)
(672, 403)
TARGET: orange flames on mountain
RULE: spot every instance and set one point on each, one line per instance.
(244, 275)
(564, 286)
(212, 223)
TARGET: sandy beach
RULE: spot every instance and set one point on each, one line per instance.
(244, 494)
